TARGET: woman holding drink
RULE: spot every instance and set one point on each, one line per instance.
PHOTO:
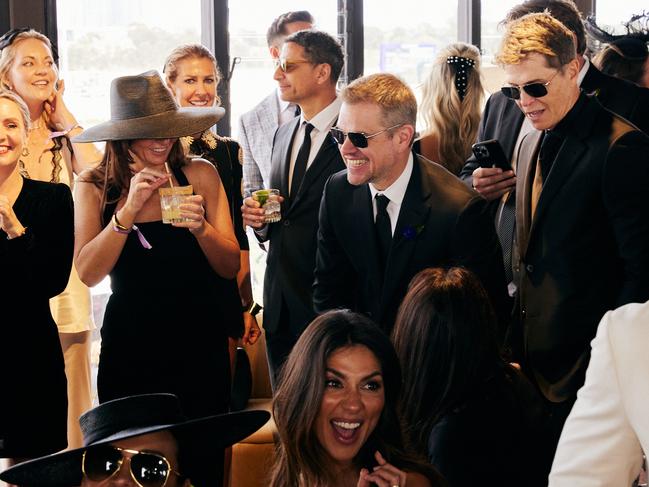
(161, 330)
(36, 241)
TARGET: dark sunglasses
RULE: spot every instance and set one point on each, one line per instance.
(535, 90)
(9, 36)
(147, 469)
(285, 65)
(359, 139)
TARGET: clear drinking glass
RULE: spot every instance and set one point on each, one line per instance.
(170, 201)
(269, 201)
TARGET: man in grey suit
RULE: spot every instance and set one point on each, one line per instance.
(257, 127)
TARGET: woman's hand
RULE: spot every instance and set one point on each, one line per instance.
(143, 184)
(384, 475)
(8, 220)
(194, 213)
(57, 111)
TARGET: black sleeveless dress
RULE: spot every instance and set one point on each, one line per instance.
(162, 329)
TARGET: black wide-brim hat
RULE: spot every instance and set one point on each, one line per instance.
(134, 416)
(141, 107)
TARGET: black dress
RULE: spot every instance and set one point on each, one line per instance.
(35, 267)
(225, 154)
(163, 328)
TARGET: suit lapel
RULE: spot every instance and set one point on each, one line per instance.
(327, 153)
(566, 160)
(268, 117)
(525, 177)
(412, 216)
(511, 120)
(282, 161)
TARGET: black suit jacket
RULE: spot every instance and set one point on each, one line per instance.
(291, 257)
(586, 250)
(441, 223)
(502, 119)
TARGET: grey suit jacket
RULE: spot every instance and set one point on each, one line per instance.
(256, 131)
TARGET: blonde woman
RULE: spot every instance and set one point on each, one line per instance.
(451, 107)
(27, 68)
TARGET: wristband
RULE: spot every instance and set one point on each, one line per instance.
(119, 228)
(64, 132)
(253, 309)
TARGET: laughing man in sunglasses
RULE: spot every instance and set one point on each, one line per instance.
(582, 230)
(138, 441)
(392, 213)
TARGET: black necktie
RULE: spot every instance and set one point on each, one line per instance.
(302, 158)
(297, 110)
(505, 226)
(383, 226)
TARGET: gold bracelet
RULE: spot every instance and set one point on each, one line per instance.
(118, 227)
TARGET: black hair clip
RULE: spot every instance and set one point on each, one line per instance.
(9, 36)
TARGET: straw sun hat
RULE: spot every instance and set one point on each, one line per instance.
(141, 107)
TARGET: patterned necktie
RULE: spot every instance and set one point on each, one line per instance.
(301, 160)
(505, 226)
(383, 226)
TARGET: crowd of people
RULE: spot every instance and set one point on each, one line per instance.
(428, 309)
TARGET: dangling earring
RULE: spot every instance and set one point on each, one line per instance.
(25, 152)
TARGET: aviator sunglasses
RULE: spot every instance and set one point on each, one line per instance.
(147, 469)
(285, 65)
(359, 139)
(535, 90)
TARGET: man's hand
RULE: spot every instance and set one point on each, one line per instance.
(492, 182)
(253, 213)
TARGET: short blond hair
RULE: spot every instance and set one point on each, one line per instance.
(395, 99)
(537, 33)
(8, 54)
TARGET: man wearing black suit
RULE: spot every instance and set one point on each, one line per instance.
(581, 211)
(391, 214)
(303, 158)
(502, 120)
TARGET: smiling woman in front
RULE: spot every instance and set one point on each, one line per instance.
(335, 410)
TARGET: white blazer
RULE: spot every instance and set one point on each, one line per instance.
(602, 441)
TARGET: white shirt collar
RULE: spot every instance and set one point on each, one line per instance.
(583, 70)
(397, 190)
(326, 117)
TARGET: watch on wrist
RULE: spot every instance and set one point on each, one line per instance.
(253, 309)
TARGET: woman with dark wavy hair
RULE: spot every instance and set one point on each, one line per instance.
(335, 410)
(476, 416)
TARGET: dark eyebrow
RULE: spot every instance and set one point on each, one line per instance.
(342, 376)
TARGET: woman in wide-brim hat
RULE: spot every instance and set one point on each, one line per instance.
(151, 424)
(162, 330)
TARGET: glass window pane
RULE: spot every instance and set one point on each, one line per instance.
(104, 39)
(613, 13)
(404, 40)
(491, 32)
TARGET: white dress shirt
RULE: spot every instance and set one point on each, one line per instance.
(395, 193)
(321, 122)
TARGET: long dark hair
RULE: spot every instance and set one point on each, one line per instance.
(445, 340)
(301, 460)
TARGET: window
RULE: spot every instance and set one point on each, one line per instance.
(612, 13)
(404, 40)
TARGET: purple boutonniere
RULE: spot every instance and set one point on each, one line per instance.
(412, 232)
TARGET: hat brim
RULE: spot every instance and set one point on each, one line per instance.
(168, 125)
(64, 469)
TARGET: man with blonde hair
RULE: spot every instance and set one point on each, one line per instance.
(581, 211)
(391, 214)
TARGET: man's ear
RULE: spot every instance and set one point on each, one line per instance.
(274, 51)
(323, 73)
(404, 136)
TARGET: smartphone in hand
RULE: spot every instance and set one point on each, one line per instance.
(490, 154)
